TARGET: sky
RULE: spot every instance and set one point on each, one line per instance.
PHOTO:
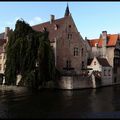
(91, 18)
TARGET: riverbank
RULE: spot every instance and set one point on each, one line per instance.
(21, 88)
(12, 87)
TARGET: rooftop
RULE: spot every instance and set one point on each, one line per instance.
(111, 40)
(103, 62)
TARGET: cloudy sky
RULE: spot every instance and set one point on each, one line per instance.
(91, 18)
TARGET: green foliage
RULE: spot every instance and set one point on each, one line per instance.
(25, 49)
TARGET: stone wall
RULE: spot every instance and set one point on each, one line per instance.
(74, 82)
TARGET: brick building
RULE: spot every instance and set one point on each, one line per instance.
(69, 46)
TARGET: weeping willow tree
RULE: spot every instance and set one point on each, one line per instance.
(29, 54)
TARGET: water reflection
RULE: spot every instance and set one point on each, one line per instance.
(87, 103)
(101, 100)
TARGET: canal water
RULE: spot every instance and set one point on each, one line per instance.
(19, 102)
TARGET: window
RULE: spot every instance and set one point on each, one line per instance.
(56, 27)
(104, 72)
(0, 66)
(82, 52)
(4, 68)
(82, 64)
(109, 72)
(75, 51)
(44, 29)
(4, 57)
(68, 64)
(115, 80)
(94, 62)
(69, 26)
(69, 36)
(96, 44)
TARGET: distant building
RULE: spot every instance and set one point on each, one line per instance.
(102, 71)
(2, 55)
(3, 41)
(108, 46)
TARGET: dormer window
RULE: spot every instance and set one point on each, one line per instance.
(96, 44)
(56, 27)
(44, 29)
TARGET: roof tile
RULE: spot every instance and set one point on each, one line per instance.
(103, 62)
(50, 27)
(112, 39)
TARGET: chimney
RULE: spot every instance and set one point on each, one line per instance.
(7, 29)
(85, 38)
(104, 34)
(52, 18)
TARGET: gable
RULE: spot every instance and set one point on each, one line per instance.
(58, 27)
(95, 62)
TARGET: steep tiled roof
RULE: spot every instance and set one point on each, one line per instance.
(93, 42)
(103, 62)
(89, 61)
(112, 39)
(50, 27)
